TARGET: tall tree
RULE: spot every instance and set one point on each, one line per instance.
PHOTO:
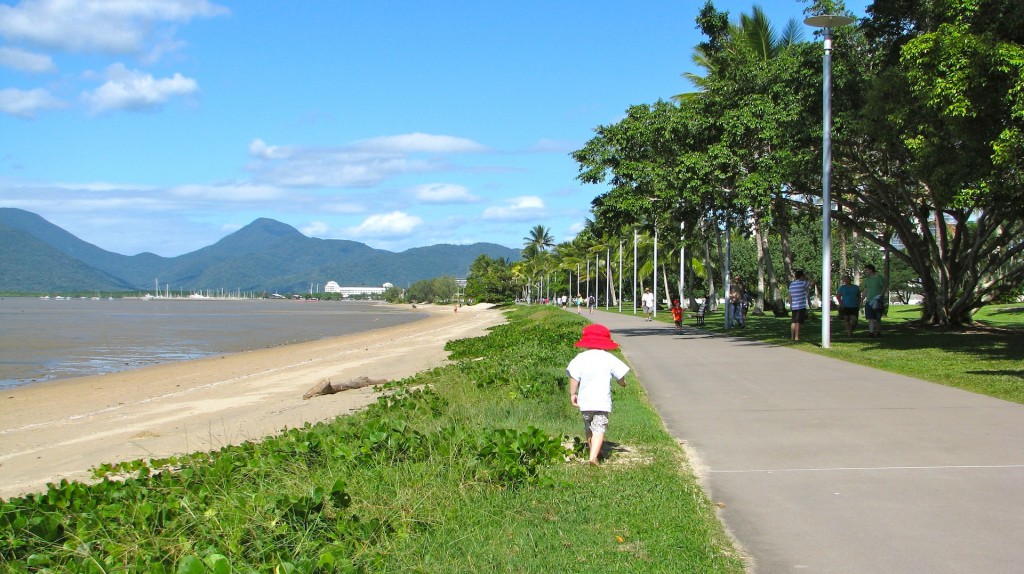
(939, 165)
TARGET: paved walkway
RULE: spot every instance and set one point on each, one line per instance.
(823, 466)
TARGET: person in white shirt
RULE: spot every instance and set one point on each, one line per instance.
(647, 300)
(590, 375)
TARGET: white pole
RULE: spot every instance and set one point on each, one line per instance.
(620, 275)
(634, 269)
(655, 282)
(826, 196)
(682, 263)
(826, 22)
(725, 279)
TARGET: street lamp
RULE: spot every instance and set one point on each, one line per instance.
(826, 22)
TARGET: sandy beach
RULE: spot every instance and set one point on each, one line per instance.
(60, 429)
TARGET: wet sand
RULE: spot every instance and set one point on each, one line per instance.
(60, 429)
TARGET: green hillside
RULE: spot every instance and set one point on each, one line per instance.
(264, 256)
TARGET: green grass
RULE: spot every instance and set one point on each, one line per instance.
(986, 359)
(466, 468)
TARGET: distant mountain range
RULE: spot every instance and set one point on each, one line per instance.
(265, 256)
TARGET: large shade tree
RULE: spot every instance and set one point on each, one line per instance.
(929, 110)
(936, 150)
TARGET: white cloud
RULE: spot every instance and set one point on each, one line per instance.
(134, 90)
(344, 208)
(231, 193)
(97, 25)
(25, 103)
(394, 224)
(259, 148)
(363, 164)
(26, 61)
(420, 142)
(524, 208)
(443, 193)
(315, 229)
(327, 168)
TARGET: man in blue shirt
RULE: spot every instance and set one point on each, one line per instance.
(798, 303)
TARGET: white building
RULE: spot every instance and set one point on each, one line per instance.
(333, 287)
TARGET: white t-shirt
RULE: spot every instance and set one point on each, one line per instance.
(648, 300)
(595, 369)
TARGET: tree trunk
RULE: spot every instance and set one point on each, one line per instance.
(775, 294)
(710, 301)
(761, 256)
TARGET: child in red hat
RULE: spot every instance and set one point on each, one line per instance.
(590, 375)
(677, 315)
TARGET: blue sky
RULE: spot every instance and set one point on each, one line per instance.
(164, 125)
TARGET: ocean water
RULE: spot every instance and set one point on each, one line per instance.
(44, 339)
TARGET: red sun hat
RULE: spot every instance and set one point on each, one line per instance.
(597, 336)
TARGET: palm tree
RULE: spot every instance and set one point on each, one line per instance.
(540, 237)
(535, 254)
(750, 40)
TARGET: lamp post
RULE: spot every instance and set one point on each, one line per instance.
(826, 22)
(682, 263)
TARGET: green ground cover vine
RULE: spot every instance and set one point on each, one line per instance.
(471, 467)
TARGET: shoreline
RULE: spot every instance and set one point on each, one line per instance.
(60, 428)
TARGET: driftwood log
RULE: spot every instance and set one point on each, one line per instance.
(326, 387)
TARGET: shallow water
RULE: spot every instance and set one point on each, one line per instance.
(44, 339)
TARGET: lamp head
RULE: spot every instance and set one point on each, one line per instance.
(829, 21)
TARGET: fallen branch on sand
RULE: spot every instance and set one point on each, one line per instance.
(326, 387)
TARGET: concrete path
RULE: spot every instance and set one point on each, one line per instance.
(822, 466)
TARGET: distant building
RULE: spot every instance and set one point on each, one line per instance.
(333, 287)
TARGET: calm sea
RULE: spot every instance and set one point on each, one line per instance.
(43, 339)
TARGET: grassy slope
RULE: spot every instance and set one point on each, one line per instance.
(407, 486)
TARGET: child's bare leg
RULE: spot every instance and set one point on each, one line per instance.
(595, 441)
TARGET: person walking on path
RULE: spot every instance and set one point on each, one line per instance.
(797, 304)
(579, 303)
(647, 301)
(736, 292)
(677, 315)
(590, 375)
(873, 304)
(592, 303)
(849, 304)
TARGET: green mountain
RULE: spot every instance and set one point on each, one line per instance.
(29, 264)
(266, 255)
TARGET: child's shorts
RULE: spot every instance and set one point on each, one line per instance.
(595, 421)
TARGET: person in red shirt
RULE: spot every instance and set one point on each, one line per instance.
(677, 315)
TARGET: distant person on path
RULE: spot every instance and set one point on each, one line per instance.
(647, 301)
(873, 285)
(736, 293)
(579, 304)
(677, 315)
(590, 389)
(849, 304)
(592, 303)
(798, 289)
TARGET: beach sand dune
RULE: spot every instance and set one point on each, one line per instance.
(60, 429)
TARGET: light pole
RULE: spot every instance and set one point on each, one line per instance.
(682, 263)
(826, 22)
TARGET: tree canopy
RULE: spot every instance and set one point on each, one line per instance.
(928, 103)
